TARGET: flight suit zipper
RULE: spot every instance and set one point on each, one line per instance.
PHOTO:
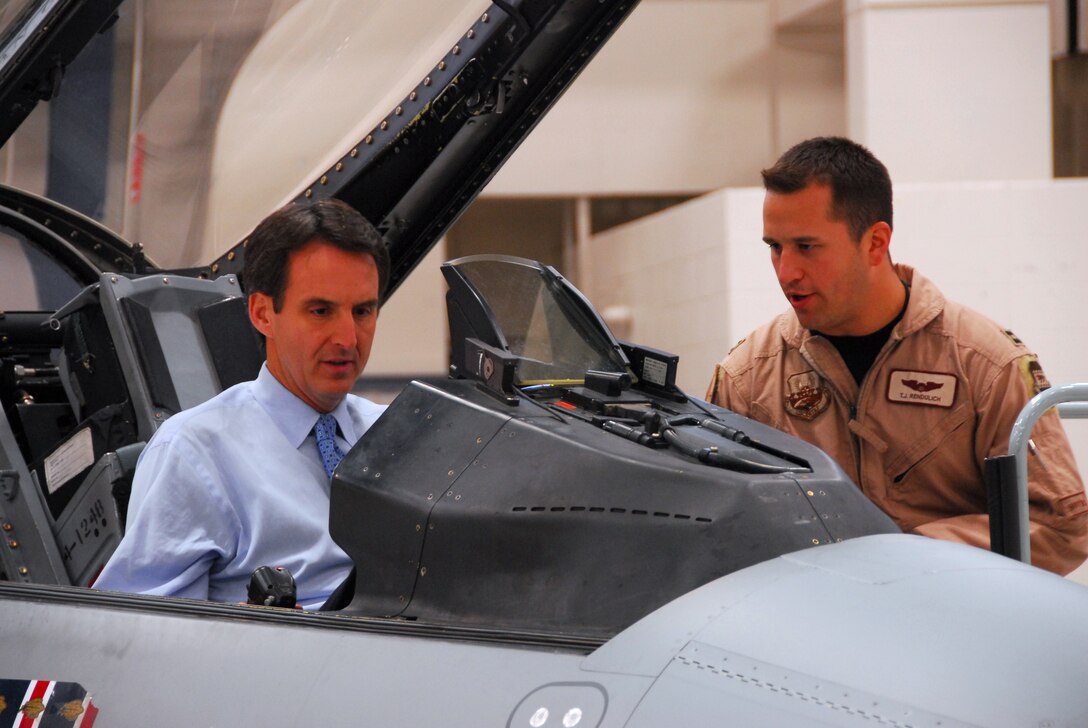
(855, 442)
(856, 406)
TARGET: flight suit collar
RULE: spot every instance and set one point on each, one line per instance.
(925, 304)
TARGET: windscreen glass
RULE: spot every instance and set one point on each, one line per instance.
(542, 319)
(183, 124)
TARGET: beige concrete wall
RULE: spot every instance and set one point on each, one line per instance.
(668, 270)
(412, 337)
(952, 89)
(688, 96)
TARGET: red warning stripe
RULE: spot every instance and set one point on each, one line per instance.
(137, 180)
(87, 719)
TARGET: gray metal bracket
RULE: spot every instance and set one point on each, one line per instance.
(9, 483)
(172, 301)
(28, 551)
(1074, 401)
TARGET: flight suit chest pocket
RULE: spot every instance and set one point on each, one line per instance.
(922, 439)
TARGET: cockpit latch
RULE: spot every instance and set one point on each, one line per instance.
(492, 368)
(610, 384)
(9, 483)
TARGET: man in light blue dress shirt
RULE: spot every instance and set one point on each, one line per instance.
(238, 481)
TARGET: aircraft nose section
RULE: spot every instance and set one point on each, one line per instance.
(730, 652)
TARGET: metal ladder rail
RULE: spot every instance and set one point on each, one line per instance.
(1072, 403)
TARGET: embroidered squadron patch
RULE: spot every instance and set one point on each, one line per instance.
(806, 395)
(928, 388)
(1032, 371)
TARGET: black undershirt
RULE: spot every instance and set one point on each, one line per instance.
(859, 352)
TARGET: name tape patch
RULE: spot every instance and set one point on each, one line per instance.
(926, 388)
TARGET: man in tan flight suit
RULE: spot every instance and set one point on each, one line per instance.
(907, 391)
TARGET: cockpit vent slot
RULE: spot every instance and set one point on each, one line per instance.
(617, 510)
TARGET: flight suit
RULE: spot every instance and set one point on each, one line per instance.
(940, 398)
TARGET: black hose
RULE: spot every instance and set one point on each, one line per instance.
(717, 458)
(1072, 26)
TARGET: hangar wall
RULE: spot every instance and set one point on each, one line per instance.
(412, 338)
(952, 90)
(688, 96)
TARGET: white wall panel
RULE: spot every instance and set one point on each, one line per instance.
(952, 90)
(412, 336)
(656, 108)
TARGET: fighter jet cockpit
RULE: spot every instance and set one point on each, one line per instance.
(551, 483)
(560, 481)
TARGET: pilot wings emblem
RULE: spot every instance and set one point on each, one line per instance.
(934, 389)
(922, 386)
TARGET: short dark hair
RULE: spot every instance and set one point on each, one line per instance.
(292, 227)
(861, 189)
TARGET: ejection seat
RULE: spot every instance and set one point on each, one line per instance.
(133, 352)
